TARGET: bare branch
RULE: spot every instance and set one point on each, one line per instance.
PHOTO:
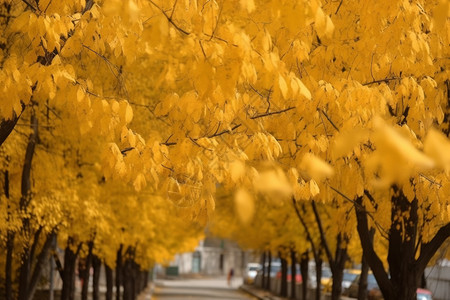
(329, 120)
(272, 113)
(169, 18)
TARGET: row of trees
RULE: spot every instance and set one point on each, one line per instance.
(124, 116)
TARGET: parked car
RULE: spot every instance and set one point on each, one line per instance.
(372, 286)
(348, 276)
(298, 276)
(423, 294)
(250, 272)
(374, 292)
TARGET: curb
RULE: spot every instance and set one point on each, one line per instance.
(255, 294)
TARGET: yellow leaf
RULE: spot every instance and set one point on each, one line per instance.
(139, 182)
(283, 86)
(244, 205)
(316, 167)
(273, 181)
(437, 146)
(313, 188)
(248, 5)
(237, 170)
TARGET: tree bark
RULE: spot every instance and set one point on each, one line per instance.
(70, 260)
(269, 258)
(405, 269)
(96, 265)
(362, 286)
(86, 272)
(24, 275)
(40, 261)
(264, 271)
(293, 273)
(337, 269)
(284, 270)
(318, 260)
(109, 282)
(7, 126)
(128, 280)
(118, 271)
(10, 235)
(8, 265)
(304, 269)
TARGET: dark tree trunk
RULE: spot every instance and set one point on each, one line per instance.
(8, 265)
(86, 272)
(401, 253)
(405, 269)
(7, 126)
(96, 265)
(318, 260)
(338, 265)
(42, 258)
(128, 280)
(26, 256)
(10, 235)
(118, 272)
(293, 274)
(284, 270)
(269, 258)
(68, 279)
(264, 271)
(304, 269)
(362, 286)
(109, 282)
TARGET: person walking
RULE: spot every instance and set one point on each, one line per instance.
(230, 277)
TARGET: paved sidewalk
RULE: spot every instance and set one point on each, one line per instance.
(259, 293)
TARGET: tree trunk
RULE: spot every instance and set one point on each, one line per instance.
(8, 264)
(304, 269)
(269, 258)
(318, 260)
(362, 286)
(337, 268)
(284, 270)
(264, 271)
(401, 253)
(68, 279)
(118, 271)
(10, 235)
(86, 272)
(128, 280)
(96, 265)
(405, 269)
(293, 274)
(42, 258)
(26, 256)
(109, 282)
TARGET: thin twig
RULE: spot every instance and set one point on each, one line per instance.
(329, 120)
(173, 8)
(197, 144)
(430, 180)
(337, 10)
(272, 113)
(386, 80)
(217, 23)
(170, 19)
(29, 5)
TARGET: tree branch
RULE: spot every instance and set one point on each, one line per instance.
(308, 235)
(373, 260)
(170, 19)
(272, 113)
(322, 235)
(430, 248)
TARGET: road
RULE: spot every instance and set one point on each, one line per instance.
(201, 289)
